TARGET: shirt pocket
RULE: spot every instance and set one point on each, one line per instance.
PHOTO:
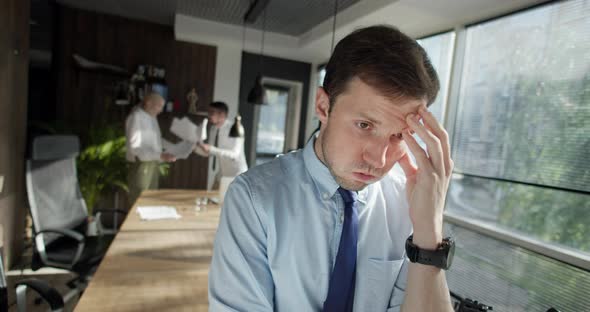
(376, 279)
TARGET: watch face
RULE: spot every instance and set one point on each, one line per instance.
(450, 255)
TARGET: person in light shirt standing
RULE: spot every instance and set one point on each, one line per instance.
(227, 152)
(144, 146)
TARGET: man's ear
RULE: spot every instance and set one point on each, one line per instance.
(322, 105)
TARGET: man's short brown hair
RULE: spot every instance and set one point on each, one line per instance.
(385, 59)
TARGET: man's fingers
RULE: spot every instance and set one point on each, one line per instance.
(407, 166)
(433, 145)
(437, 129)
(417, 151)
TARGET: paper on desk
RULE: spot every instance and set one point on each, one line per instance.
(149, 213)
(181, 149)
(188, 131)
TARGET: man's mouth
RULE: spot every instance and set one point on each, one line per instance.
(364, 177)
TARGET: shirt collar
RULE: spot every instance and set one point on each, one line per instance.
(226, 124)
(321, 174)
(362, 194)
(143, 111)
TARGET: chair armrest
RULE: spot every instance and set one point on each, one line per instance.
(48, 293)
(65, 232)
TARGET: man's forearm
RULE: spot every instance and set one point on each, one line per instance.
(427, 288)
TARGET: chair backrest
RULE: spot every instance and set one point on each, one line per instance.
(52, 184)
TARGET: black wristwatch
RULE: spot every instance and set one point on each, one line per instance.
(441, 257)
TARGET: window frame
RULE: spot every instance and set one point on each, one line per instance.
(572, 257)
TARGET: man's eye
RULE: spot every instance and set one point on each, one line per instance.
(363, 125)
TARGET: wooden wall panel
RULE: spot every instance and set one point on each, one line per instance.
(14, 61)
(85, 98)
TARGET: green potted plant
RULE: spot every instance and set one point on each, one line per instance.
(102, 168)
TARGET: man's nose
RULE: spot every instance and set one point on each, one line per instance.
(375, 153)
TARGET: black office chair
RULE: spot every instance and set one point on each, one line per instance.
(47, 293)
(63, 236)
(461, 304)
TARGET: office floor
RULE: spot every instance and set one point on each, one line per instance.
(55, 277)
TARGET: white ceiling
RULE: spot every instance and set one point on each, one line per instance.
(282, 16)
(415, 17)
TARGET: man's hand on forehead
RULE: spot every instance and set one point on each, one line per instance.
(427, 183)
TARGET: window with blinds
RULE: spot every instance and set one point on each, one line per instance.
(510, 278)
(440, 51)
(521, 136)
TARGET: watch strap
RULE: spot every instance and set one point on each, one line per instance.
(440, 257)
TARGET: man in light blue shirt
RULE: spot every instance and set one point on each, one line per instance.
(287, 225)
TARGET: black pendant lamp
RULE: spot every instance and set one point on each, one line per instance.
(237, 130)
(256, 95)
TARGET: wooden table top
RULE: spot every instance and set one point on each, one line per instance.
(157, 265)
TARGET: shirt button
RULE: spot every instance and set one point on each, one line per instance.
(341, 218)
(326, 196)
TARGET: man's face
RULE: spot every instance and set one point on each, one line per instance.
(216, 116)
(360, 139)
(155, 106)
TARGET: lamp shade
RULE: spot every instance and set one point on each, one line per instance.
(237, 130)
(256, 94)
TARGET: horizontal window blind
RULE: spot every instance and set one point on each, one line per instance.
(524, 108)
(510, 278)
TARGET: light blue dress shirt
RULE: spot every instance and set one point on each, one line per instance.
(279, 232)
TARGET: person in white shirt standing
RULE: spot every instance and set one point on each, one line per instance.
(144, 146)
(227, 152)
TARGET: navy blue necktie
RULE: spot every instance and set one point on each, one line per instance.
(216, 144)
(341, 291)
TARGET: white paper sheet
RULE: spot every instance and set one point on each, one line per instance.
(185, 129)
(149, 213)
(188, 131)
(181, 149)
(166, 145)
(202, 132)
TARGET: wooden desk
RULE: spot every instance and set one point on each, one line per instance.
(157, 265)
